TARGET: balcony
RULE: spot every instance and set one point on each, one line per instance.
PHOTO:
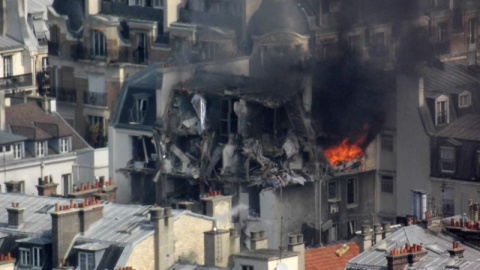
(18, 81)
(66, 95)
(95, 99)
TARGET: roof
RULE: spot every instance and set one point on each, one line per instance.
(132, 12)
(436, 246)
(8, 138)
(325, 258)
(466, 127)
(278, 15)
(32, 122)
(121, 227)
(448, 77)
(266, 254)
(37, 6)
(7, 43)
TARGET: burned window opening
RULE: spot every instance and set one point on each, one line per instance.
(143, 151)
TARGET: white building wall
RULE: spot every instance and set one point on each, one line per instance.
(90, 163)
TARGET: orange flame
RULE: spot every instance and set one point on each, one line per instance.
(345, 151)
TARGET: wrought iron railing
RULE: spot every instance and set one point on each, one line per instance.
(96, 99)
(66, 95)
(18, 81)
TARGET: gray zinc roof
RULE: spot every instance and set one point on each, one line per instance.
(8, 138)
(436, 246)
(465, 128)
(7, 43)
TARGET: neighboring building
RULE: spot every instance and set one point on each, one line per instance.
(54, 233)
(23, 48)
(334, 257)
(433, 251)
(437, 120)
(41, 153)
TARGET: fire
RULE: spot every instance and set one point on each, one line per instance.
(345, 151)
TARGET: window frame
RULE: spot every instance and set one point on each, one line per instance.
(442, 29)
(17, 150)
(160, 4)
(98, 44)
(472, 30)
(438, 115)
(247, 267)
(387, 184)
(468, 101)
(25, 260)
(7, 66)
(87, 261)
(37, 252)
(387, 143)
(41, 148)
(336, 197)
(351, 228)
(64, 145)
(355, 191)
(442, 159)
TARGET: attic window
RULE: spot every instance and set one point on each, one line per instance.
(464, 99)
(139, 110)
(86, 261)
(447, 159)
(441, 110)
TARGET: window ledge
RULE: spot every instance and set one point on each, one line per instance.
(336, 200)
(352, 205)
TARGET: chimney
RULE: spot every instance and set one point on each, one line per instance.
(456, 251)
(234, 244)
(15, 216)
(387, 231)
(162, 219)
(408, 255)
(258, 240)
(377, 230)
(365, 238)
(67, 222)
(296, 244)
(421, 91)
(46, 188)
(217, 246)
(218, 205)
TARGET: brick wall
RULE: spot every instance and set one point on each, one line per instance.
(189, 242)
(142, 256)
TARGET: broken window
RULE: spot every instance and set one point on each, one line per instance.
(387, 184)
(228, 120)
(143, 149)
(387, 142)
(447, 159)
(351, 191)
(138, 112)
(332, 190)
(351, 228)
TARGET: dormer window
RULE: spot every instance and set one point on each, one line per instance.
(18, 150)
(98, 45)
(86, 261)
(64, 146)
(41, 148)
(464, 99)
(24, 256)
(37, 257)
(441, 111)
(447, 159)
(139, 110)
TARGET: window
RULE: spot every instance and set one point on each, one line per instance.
(332, 190)
(97, 120)
(67, 184)
(351, 191)
(333, 233)
(478, 163)
(355, 45)
(387, 142)
(139, 110)
(98, 46)
(24, 256)
(472, 30)
(86, 261)
(329, 48)
(387, 184)
(44, 63)
(7, 66)
(41, 149)
(441, 109)
(247, 267)
(64, 145)
(37, 257)
(442, 32)
(448, 202)
(136, 3)
(141, 48)
(228, 119)
(17, 151)
(158, 3)
(351, 228)
(447, 159)
(464, 100)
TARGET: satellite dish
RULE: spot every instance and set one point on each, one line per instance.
(281, 266)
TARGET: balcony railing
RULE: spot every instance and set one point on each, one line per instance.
(66, 95)
(96, 99)
(12, 82)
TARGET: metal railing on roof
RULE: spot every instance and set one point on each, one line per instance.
(66, 94)
(95, 98)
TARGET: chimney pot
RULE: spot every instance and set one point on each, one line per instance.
(168, 211)
(300, 238)
(233, 232)
(365, 229)
(254, 235)
(292, 239)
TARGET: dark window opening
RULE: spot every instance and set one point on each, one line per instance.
(351, 190)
